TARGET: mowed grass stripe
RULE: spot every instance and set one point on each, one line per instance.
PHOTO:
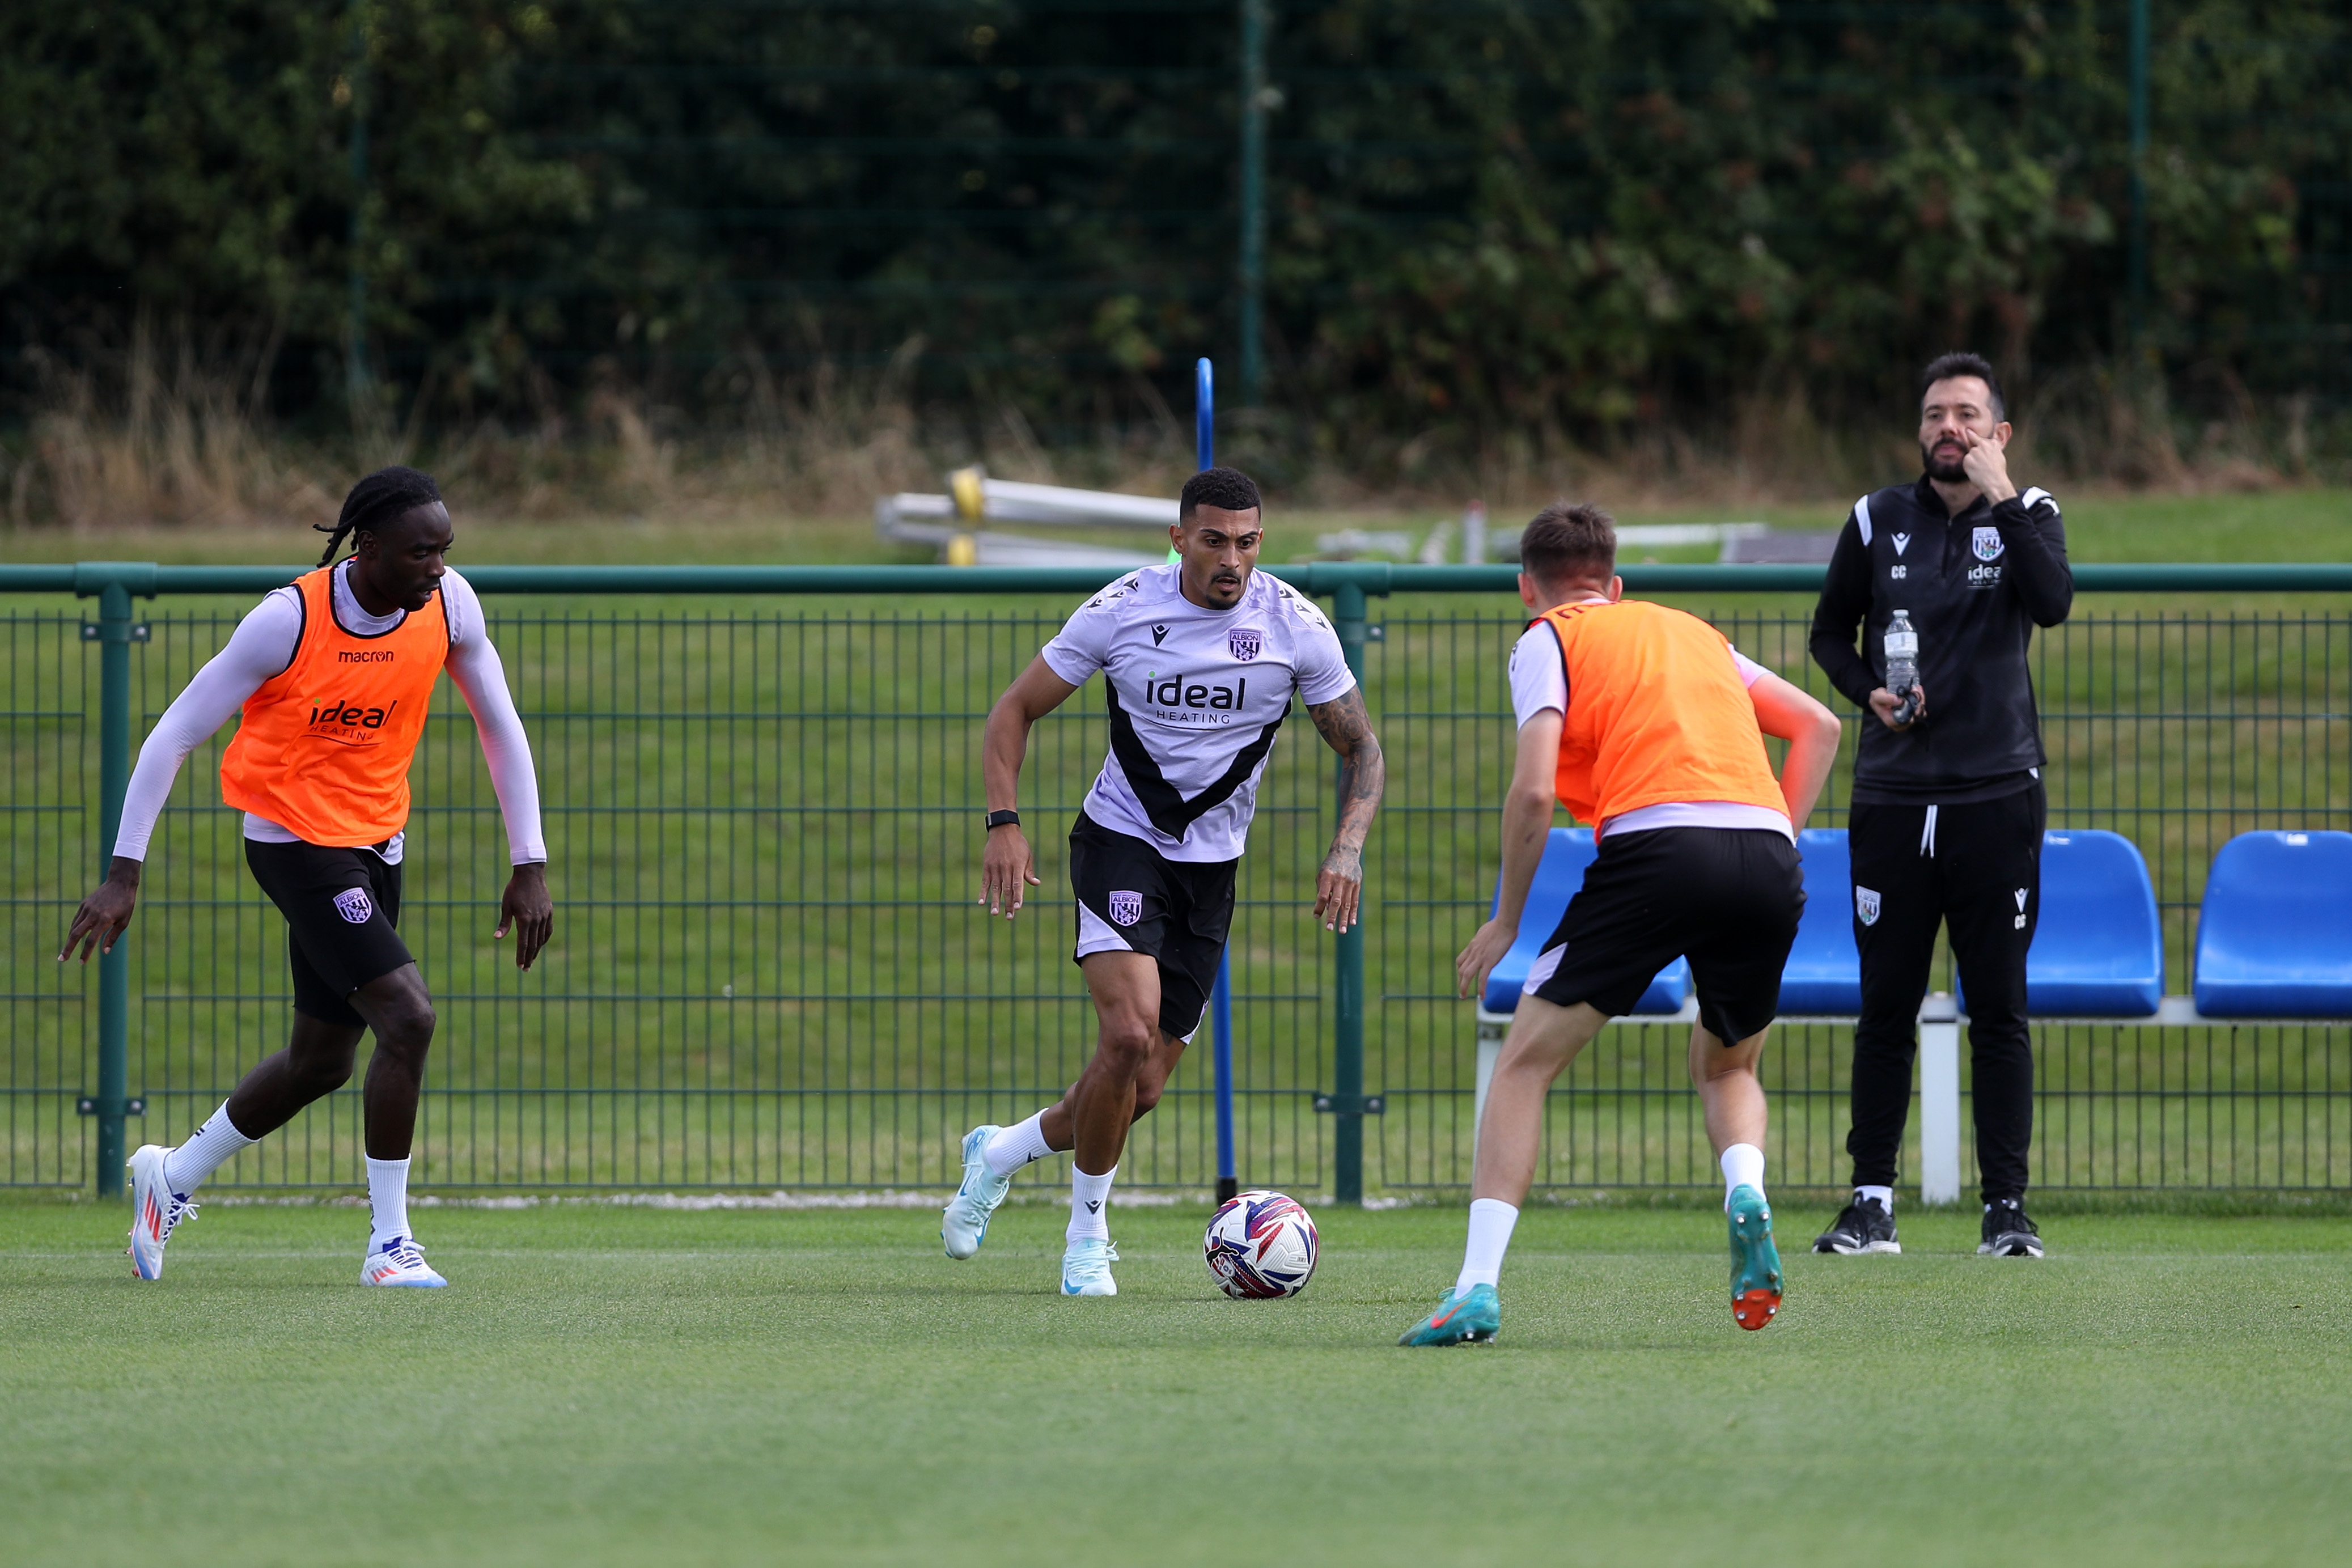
(720, 1387)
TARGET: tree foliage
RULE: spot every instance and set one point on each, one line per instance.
(1558, 215)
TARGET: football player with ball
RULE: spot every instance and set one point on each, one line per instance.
(1200, 660)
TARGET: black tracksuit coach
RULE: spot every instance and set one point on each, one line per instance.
(1948, 814)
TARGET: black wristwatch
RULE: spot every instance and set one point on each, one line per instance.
(1004, 819)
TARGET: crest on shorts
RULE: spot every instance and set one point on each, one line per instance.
(352, 904)
(1247, 642)
(1126, 909)
(1865, 905)
(1987, 544)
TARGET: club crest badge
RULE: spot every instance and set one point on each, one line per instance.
(1865, 905)
(1987, 544)
(1126, 909)
(1247, 642)
(352, 904)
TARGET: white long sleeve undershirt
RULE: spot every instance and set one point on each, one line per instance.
(262, 647)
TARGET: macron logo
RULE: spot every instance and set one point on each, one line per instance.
(1901, 540)
(367, 656)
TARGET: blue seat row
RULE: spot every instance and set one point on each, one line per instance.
(2273, 940)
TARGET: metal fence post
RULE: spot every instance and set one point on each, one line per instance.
(1347, 604)
(115, 632)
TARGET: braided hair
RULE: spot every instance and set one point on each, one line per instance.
(376, 500)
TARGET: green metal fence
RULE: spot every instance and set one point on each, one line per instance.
(769, 969)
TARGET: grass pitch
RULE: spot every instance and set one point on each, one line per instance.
(607, 1385)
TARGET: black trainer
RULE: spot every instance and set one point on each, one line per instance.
(1863, 1225)
(2007, 1232)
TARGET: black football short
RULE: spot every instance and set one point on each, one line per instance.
(1726, 898)
(340, 906)
(1133, 899)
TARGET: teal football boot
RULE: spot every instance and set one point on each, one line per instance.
(1460, 1320)
(1755, 1262)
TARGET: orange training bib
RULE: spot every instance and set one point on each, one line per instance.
(1656, 713)
(324, 745)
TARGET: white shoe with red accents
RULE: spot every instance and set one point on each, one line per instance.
(399, 1261)
(155, 1211)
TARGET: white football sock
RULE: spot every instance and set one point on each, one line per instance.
(1089, 1205)
(1014, 1147)
(186, 1167)
(387, 1201)
(1491, 1220)
(1885, 1196)
(1743, 1166)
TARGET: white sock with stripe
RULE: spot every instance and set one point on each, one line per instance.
(215, 1144)
(387, 1201)
(1089, 1205)
(1015, 1146)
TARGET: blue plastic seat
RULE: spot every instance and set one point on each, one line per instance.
(2098, 948)
(2275, 938)
(1823, 975)
(1557, 877)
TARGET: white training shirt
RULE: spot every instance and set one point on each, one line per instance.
(1540, 681)
(1195, 696)
(262, 647)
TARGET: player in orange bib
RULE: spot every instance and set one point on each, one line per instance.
(1645, 722)
(333, 674)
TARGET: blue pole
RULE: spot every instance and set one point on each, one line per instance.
(1221, 999)
(1221, 1018)
(1204, 413)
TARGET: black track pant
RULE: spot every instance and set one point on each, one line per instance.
(1977, 867)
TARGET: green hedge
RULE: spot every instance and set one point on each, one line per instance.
(1575, 217)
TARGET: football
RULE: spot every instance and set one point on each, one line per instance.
(1260, 1245)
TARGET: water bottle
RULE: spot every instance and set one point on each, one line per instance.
(1903, 666)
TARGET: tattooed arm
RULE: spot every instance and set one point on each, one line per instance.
(1348, 729)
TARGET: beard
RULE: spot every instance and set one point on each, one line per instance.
(1950, 472)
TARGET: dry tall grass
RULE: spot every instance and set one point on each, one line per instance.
(167, 435)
